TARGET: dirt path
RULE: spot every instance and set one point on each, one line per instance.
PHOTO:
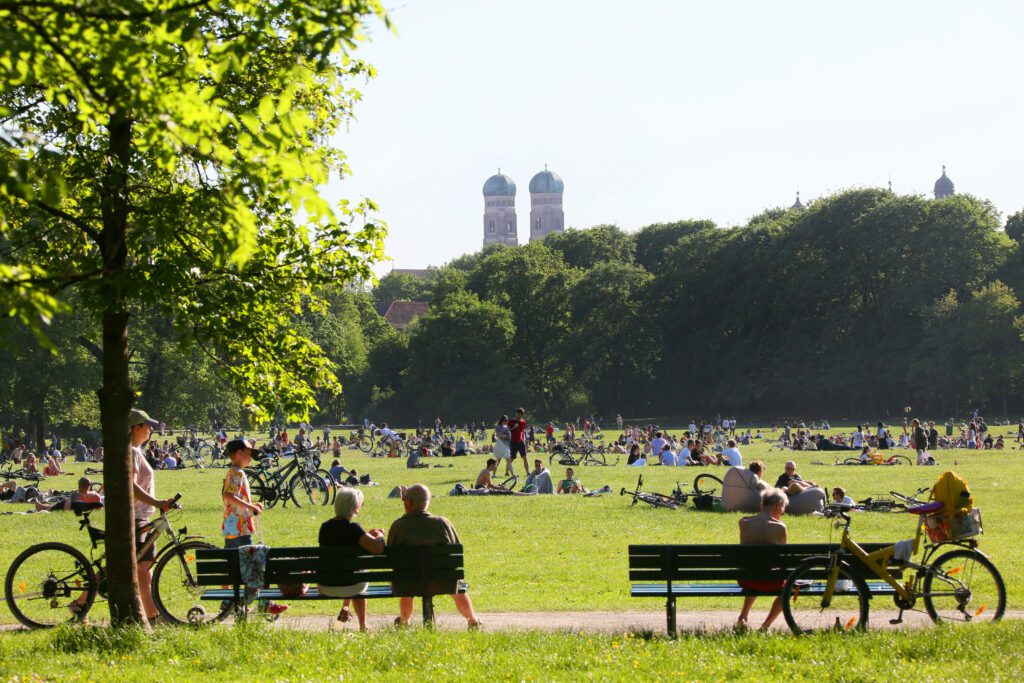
(580, 622)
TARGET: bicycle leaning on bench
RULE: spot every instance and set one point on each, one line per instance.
(52, 583)
(958, 586)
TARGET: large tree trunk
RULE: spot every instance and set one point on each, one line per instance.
(116, 395)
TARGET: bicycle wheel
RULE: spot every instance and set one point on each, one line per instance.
(899, 460)
(706, 483)
(205, 454)
(852, 461)
(510, 482)
(175, 592)
(365, 443)
(803, 603)
(309, 489)
(46, 582)
(964, 586)
(595, 458)
(332, 486)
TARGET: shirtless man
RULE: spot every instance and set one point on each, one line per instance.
(483, 480)
(764, 528)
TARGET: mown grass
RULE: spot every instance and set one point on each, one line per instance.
(254, 652)
(549, 553)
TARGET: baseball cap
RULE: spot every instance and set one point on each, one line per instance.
(141, 417)
(239, 444)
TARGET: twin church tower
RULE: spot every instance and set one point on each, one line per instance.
(546, 215)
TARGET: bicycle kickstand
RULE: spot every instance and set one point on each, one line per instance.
(898, 619)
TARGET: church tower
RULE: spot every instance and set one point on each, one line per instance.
(546, 215)
(500, 211)
(944, 186)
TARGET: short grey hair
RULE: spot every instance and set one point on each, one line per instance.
(772, 496)
(348, 500)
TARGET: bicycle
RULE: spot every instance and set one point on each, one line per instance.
(960, 585)
(53, 583)
(893, 502)
(362, 440)
(658, 500)
(706, 483)
(299, 480)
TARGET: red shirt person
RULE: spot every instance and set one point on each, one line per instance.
(517, 444)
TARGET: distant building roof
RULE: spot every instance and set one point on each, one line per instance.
(797, 204)
(418, 273)
(546, 182)
(499, 185)
(944, 186)
(400, 314)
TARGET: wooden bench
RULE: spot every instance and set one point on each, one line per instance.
(698, 571)
(401, 571)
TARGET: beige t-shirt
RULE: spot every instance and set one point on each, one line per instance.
(142, 473)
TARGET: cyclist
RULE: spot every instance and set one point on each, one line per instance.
(390, 438)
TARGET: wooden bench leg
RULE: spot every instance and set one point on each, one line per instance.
(670, 613)
(428, 610)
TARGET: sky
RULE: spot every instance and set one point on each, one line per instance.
(660, 111)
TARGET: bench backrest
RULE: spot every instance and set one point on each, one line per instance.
(338, 566)
(728, 562)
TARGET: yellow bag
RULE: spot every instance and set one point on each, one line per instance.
(955, 495)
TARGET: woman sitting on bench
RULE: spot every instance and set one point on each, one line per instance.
(764, 528)
(342, 532)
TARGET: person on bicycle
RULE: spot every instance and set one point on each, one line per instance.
(389, 438)
(768, 528)
(141, 427)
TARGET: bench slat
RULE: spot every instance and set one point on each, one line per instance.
(729, 590)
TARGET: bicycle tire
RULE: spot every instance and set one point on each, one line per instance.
(900, 460)
(55, 586)
(365, 443)
(308, 489)
(979, 584)
(848, 610)
(332, 486)
(205, 454)
(510, 482)
(175, 592)
(852, 461)
(595, 458)
(706, 478)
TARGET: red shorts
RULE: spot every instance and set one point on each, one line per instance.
(762, 586)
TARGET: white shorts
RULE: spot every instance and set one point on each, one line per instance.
(352, 591)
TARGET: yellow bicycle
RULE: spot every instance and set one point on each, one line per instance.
(962, 585)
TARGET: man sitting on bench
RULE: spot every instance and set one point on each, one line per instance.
(764, 528)
(417, 527)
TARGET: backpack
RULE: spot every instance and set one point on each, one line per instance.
(955, 495)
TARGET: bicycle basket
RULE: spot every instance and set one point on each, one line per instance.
(940, 528)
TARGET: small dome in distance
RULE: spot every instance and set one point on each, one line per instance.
(546, 182)
(499, 185)
(944, 186)
(797, 204)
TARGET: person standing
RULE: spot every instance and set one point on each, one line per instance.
(141, 428)
(517, 438)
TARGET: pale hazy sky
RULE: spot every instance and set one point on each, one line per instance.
(660, 111)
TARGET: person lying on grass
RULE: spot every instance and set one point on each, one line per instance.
(483, 480)
(570, 484)
(82, 500)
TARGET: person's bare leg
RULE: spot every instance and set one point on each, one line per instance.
(359, 607)
(465, 607)
(748, 603)
(404, 610)
(773, 613)
(146, 589)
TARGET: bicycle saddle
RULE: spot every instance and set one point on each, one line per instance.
(927, 508)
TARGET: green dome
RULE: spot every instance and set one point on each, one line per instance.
(546, 182)
(499, 185)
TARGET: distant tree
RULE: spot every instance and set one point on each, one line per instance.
(402, 286)
(653, 241)
(593, 246)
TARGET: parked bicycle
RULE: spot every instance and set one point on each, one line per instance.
(298, 480)
(658, 500)
(893, 502)
(958, 586)
(52, 583)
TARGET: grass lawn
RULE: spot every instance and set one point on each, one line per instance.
(259, 653)
(547, 553)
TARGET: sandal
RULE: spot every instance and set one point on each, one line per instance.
(475, 626)
(344, 615)
(399, 623)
